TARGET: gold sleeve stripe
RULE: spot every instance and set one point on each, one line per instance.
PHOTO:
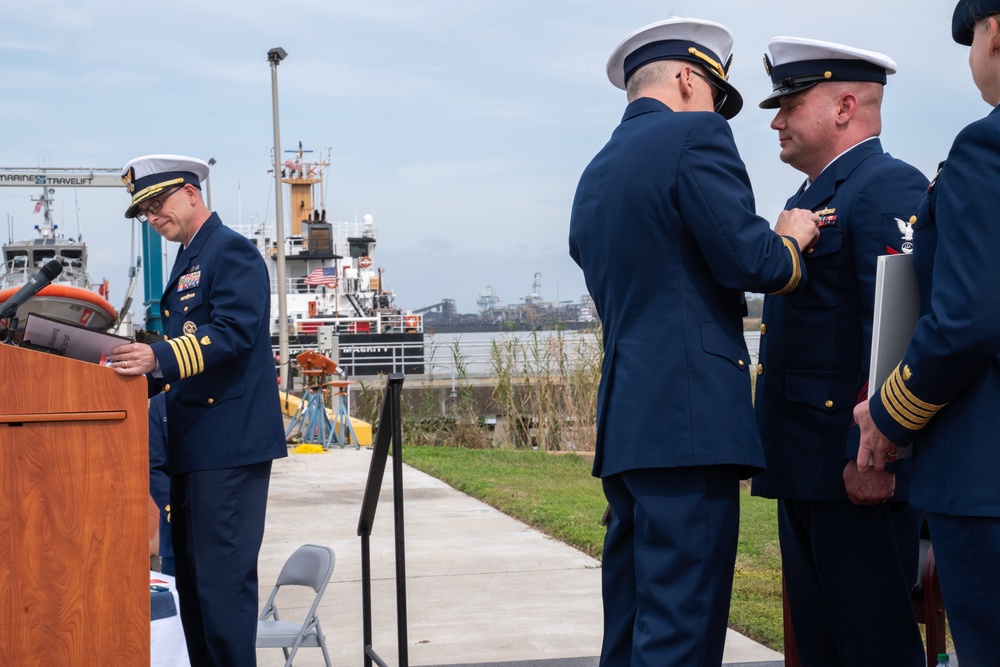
(189, 348)
(197, 353)
(908, 411)
(188, 353)
(796, 268)
(198, 362)
(180, 353)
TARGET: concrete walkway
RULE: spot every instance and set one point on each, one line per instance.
(482, 588)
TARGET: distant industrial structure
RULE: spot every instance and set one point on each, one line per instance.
(531, 312)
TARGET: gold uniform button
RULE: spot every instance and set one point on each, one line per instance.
(185, 309)
(763, 329)
(166, 337)
(211, 401)
(913, 219)
(741, 363)
(166, 387)
(829, 404)
(166, 313)
(760, 369)
(810, 251)
(907, 373)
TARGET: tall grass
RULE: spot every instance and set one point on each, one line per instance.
(541, 394)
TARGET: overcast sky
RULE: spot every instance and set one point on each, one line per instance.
(462, 126)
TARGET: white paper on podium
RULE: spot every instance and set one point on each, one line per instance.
(71, 340)
(897, 309)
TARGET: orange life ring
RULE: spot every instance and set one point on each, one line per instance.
(411, 321)
(71, 293)
(365, 262)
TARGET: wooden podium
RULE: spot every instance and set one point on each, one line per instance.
(74, 533)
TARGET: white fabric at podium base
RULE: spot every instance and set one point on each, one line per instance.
(166, 635)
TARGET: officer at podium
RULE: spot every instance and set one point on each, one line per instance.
(215, 367)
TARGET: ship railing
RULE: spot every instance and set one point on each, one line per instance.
(373, 358)
(480, 355)
(339, 229)
(308, 326)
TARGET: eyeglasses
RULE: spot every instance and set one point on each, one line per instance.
(155, 205)
(719, 94)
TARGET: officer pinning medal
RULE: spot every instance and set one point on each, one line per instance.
(664, 228)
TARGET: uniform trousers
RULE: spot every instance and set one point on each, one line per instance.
(667, 573)
(217, 524)
(967, 556)
(849, 571)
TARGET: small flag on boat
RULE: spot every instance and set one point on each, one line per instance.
(38, 206)
(323, 276)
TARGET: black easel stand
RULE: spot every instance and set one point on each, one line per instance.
(390, 428)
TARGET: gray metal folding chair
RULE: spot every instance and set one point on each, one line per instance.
(310, 565)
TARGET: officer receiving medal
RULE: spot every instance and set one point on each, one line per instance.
(836, 533)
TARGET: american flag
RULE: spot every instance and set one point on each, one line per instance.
(38, 206)
(323, 276)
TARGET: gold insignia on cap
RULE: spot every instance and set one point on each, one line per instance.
(714, 65)
(827, 74)
(907, 373)
(767, 65)
(205, 341)
(190, 327)
(128, 177)
(153, 190)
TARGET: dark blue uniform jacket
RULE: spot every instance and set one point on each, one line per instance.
(815, 345)
(217, 363)
(945, 394)
(664, 228)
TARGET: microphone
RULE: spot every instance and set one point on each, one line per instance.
(35, 284)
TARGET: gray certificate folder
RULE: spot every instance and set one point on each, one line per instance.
(70, 340)
(897, 309)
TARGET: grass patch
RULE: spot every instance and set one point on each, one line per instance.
(553, 493)
(557, 495)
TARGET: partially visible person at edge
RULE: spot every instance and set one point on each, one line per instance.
(849, 557)
(159, 478)
(215, 367)
(943, 396)
(664, 228)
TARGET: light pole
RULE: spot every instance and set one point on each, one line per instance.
(275, 56)
(208, 183)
